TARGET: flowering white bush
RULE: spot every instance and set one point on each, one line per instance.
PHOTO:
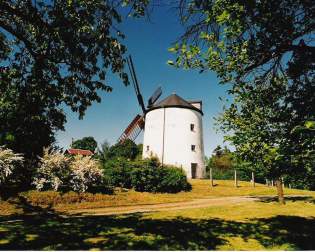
(77, 173)
(8, 162)
(54, 170)
(85, 172)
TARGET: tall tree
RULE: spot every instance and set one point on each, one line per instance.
(55, 53)
(265, 50)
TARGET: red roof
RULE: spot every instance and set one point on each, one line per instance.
(79, 152)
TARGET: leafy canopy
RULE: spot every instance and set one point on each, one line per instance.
(265, 51)
(55, 53)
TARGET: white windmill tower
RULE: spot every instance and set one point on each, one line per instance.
(172, 130)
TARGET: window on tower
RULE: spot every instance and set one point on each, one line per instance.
(148, 147)
(193, 147)
(192, 127)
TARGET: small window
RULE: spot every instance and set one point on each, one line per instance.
(193, 147)
(148, 147)
(192, 127)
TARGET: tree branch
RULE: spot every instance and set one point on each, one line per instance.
(19, 36)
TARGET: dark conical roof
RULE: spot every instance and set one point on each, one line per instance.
(174, 101)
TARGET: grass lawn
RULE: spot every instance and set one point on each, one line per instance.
(245, 226)
(200, 189)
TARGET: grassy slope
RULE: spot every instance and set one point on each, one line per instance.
(249, 226)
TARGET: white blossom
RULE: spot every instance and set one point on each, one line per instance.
(77, 173)
(8, 162)
(53, 171)
(85, 172)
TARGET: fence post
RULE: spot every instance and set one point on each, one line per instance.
(211, 178)
(272, 182)
(253, 179)
(235, 178)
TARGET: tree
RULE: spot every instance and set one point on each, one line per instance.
(55, 53)
(126, 149)
(86, 143)
(140, 150)
(265, 51)
(103, 152)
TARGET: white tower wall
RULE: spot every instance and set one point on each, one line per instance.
(168, 136)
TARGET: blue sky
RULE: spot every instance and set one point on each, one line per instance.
(148, 42)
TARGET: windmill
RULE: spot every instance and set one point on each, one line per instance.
(137, 124)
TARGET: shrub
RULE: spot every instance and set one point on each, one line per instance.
(85, 173)
(53, 198)
(118, 172)
(9, 161)
(53, 172)
(152, 178)
(146, 176)
(60, 173)
(146, 179)
(173, 180)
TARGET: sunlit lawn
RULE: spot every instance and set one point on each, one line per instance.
(246, 226)
(201, 189)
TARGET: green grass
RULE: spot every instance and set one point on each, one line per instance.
(263, 225)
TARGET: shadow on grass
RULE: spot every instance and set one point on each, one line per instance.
(47, 230)
(268, 199)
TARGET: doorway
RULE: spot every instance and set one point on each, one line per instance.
(193, 170)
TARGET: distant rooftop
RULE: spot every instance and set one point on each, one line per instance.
(79, 152)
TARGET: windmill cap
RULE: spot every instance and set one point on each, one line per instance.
(174, 101)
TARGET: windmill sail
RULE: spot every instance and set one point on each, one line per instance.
(133, 129)
(156, 95)
(135, 83)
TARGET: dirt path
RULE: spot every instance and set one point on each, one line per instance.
(197, 203)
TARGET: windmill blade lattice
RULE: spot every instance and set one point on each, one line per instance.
(133, 129)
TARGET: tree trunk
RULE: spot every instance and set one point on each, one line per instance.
(235, 178)
(253, 179)
(211, 178)
(280, 191)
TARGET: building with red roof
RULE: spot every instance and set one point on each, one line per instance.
(79, 152)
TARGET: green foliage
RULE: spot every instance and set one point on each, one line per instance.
(55, 53)
(86, 143)
(119, 172)
(152, 178)
(223, 163)
(117, 161)
(146, 176)
(140, 150)
(102, 153)
(126, 149)
(173, 180)
(265, 51)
